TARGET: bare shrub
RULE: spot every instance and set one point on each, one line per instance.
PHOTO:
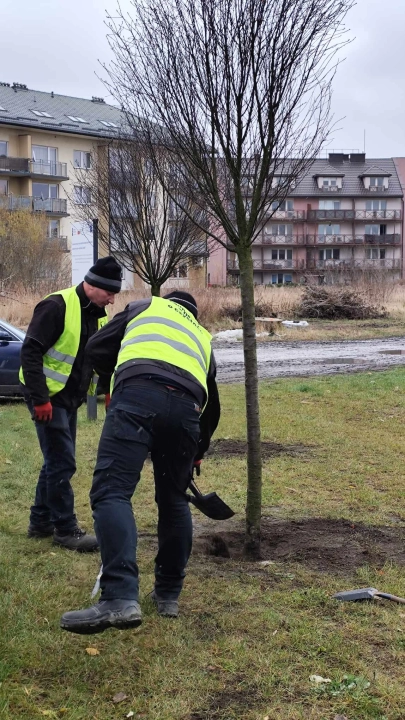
(337, 303)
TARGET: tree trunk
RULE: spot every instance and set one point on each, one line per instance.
(155, 290)
(254, 460)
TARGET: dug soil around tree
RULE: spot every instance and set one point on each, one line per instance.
(335, 546)
(233, 448)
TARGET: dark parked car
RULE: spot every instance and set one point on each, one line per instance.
(11, 340)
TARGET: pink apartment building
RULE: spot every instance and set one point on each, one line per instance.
(345, 213)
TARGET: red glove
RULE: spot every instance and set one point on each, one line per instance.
(43, 413)
(107, 400)
(197, 467)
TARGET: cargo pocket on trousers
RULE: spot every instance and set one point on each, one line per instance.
(135, 426)
(189, 439)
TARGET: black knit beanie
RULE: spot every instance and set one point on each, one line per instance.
(105, 274)
(184, 299)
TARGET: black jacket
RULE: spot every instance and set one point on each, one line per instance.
(102, 352)
(46, 326)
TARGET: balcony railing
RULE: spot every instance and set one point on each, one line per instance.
(391, 239)
(52, 169)
(266, 239)
(269, 264)
(287, 214)
(388, 264)
(315, 215)
(14, 166)
(53, 206)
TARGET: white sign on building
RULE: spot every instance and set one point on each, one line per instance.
(81, 250)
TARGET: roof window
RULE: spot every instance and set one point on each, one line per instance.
(41, 113)
(77, 119)
(108, 123)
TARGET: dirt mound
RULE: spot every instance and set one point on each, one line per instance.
(223, 446)
(337, 546)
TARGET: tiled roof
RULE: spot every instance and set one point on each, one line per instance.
(352, 174)
(17, 106)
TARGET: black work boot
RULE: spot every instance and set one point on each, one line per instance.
(120, 614)
(77, 540)
(40, 531)
(165, 608)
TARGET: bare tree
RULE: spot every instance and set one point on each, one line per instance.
(152, 228)
(28, 258)
(238, 92)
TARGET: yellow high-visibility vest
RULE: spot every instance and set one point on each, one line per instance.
(167, 332)
(58, 360)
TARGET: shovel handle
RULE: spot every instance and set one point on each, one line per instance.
(388, 596)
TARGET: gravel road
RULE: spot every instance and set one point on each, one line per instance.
(285, 359)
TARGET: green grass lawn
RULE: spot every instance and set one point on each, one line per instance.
(250, 635)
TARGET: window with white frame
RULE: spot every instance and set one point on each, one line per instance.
(82, 159)
(329, 254)
(281, 279)
(81, 195)
(281, 254)
(282, 229)
(53, 228)
(42, 113)
(107, 123)
(3, 187)
(329, 182)
(328, 229)
(376, 204)
(375, 253)
(180, 272)
(3, 148)
(329, 204)
(283, 205)
(376, 229)
(377, 182)
(44, 191)
(44, 159)
(77, 119)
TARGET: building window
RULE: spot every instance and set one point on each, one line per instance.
(180, 272)
(329, 254)
(329, 183)
(3, 148)
(3, 187)
(53, 228)
(376, 204)
(281, 254)
(77, 119)
(376, 230)
(82, 159)
(328, 229)
(44, 191)
(81, 195)
(329, 204)
(377, 182)
(41, 113)
(44, 160)
(375, 253)
(279, 229)
(284, 205)
(107, 123)
(281, 279)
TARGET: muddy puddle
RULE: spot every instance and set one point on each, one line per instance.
(300, 359)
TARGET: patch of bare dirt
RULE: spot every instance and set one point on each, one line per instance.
(337, 546)
(228, 447)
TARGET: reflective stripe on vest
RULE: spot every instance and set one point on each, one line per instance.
(166, 332)
(59, 359)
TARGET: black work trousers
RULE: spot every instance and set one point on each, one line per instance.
(144, 416)
(54, 499)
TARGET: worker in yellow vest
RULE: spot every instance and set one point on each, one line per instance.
(55, 379)
(164, 401)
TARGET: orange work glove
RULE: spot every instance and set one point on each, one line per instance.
(43, 413)
(197, 467)
(107, 400)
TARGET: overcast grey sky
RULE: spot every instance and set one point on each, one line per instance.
(56, 45)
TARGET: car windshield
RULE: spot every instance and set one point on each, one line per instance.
(20, 334)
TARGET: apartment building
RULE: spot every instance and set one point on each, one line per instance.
(345, 215)
(44, 138)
